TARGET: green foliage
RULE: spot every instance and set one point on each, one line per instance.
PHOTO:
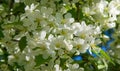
(106, 56)
(40, 60)
(22, 43)
(115, 67)
(1, 34)
(28, 2)
(18, 8)
(73, 12)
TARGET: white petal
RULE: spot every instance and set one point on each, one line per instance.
(43, 35)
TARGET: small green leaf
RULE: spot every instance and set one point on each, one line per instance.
(40, 60)
(106, 56)
(22, 43)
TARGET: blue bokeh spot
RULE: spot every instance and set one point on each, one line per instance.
(109, 32)
(103, 48)
(77, 58)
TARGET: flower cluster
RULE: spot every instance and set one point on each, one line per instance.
(59, 35)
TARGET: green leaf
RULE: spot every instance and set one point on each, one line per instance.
(18, 8)
(62, 63)
(73, 12)
(22, 43)
(40, 60)
(1, 34)
(106, 56)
